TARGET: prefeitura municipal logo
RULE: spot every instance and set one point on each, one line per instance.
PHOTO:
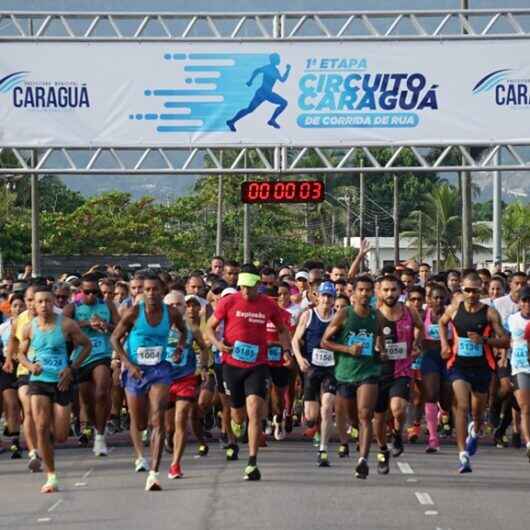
(506, 87)
(44, 94)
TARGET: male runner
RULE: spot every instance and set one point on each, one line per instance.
(357, 366)
(147, 372)
(476, 329)
(244, 351)
(97, 319)
(403, 334)
(317, 366)
(50, 386)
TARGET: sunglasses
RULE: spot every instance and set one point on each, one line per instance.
(90, 291)
(470, 290)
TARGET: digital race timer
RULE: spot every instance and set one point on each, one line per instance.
(282, 191)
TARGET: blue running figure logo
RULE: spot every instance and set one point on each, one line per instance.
(270, 74)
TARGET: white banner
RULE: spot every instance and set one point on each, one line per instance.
(314, 93)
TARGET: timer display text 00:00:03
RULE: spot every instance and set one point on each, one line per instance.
(282, 191)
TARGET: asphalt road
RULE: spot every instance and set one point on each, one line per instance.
(421, 492)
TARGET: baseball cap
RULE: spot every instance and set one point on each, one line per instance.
(227, 291)
(302, 275)
(327, 288)
(192, 298)
(247, 279)
(525, 293)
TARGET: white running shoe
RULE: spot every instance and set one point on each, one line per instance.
(279, 428)
(268, 428)
(140, 464)
(34, 464)
(100, 445)
(152, 483)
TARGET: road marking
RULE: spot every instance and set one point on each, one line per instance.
(43, 520)
(423, 497)
(431, 512)
(405, 468)
(80, 484)
(412, 480)
(86, 475)
(53, 506)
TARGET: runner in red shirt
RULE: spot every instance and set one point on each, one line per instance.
(244, 350)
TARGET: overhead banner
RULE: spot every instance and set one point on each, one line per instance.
(253, 93)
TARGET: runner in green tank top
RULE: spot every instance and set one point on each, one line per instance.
(352, 335)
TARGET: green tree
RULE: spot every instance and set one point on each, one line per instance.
(516, 231)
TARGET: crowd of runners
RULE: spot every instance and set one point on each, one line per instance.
(246, 355)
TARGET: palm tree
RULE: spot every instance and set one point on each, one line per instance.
(516, 231)
(441, 222)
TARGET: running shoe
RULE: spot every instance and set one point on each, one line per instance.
(413, 433)
(465, 464)
(238, 429)
(146, 437)
(433, 447)
(471, 440)
(232, 452)
(100, 445)
(174, 472)
(354, 434)
(252, 473)
(500, 439)
(279, 428)
(140, 464)
(85, 437)
(203, 450)
(268, 428)
(51, 485)
(16, 452)
(323, 460)
(383, 462)
(35, 463)
(152, 483)
(316, 439)
(288, 419)
(397, 444)
(344, 451)
(361, 469)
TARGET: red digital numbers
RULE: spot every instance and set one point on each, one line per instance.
(282, 191)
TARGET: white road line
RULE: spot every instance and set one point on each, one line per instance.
(431, 512)
(423, 497)
(86, 475)
(80, 484)
(53, 506)
(412, 480)
(405, 468)
(43, 520)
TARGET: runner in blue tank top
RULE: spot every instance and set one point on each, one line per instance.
(147, 371)
(97, 318)
(50, 386)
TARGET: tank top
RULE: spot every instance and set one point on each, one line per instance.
(468, 354)
(147, 344)
(398, 336)
(432, 330)
(20, 323)
(358, 330)
(50, 350)
(517, 325)
(187, 364)
(314, 332)
(101, 347)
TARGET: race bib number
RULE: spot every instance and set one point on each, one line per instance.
(274, 354)
(468, 348)
(149, 355)
(520, 357)
(322, 357)
(396, 351)
(367, 342)
(434, 331)
(53, 363)
(98, 345)
(245, 352)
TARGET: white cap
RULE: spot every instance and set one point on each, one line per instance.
(189, 297)
(302, 274)
(227, 291)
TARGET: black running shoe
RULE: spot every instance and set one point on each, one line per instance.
(362, 470)
(252, 473)
(203, 450)
(397, 444)
(232, 452)
(344, 451)
(383, 462)
(323, 460)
